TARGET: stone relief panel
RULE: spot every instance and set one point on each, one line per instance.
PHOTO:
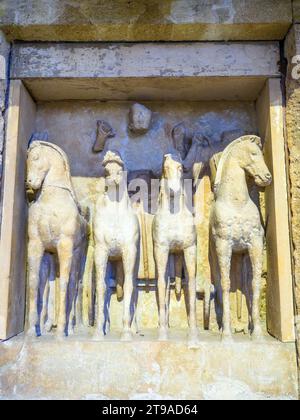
(101, 141)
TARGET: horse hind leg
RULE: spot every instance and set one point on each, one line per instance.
(161, 260)
(255, 253)
(129, 262)
(65, 254)
(190, 256)
(35, 254)
(224, 253)
(101, 259)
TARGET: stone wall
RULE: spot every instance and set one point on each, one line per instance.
(145, 20)
(292, 49)
(4, 56)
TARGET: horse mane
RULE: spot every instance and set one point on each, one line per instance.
(226, 153)
(38, 143)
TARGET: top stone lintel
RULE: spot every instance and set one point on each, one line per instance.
(145, 20)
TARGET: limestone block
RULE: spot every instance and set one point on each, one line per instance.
(144, 20)
(296, 11)
(292, 49)
(21, 116)
(168, 71)
(280, 307)
(79, 368)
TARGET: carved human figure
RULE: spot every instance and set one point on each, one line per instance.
(116, 233)
(175, 233)
(55, 225)
(235, 222)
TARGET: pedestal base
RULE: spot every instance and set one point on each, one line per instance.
(79, 368)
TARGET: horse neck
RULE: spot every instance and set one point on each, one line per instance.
(119, 195)
(57, 176)
(165, 203)
(233, 187)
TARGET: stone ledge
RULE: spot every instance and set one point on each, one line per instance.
(141, 20)
(50, 60)
(78, 368)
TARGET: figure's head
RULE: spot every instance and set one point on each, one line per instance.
(251, 159)
(139, 119)
(114, 168)
(173, 172)
(38, 166)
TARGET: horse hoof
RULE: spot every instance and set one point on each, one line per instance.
(47, 328)
(257, 336)
(98, 336)
(193, 341)
(126, 336)
(31, 333)
(163, 335)
(227, 338)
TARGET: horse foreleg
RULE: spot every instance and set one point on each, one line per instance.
(161, 259)
(65, 254)
(129, 260)
(224, 253)
(190, 255)
(101, 258)
(255, 253)
(35, 254)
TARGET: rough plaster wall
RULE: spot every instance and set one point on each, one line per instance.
(292, 48)
(4, 54)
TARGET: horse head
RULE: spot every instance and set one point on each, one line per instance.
(251, 159)
(173, 172)
(114, 168)
(38, 166)
(45, 159)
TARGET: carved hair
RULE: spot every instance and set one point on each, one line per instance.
(113, 157)
(228, 151)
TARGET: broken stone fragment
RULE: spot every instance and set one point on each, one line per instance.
(104, 132)
(140, 119)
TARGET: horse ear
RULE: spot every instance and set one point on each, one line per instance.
(257, 141)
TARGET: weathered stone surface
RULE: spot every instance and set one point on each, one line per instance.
(20, 123)
(292, 49)
(36, 60)
(280, 307)
(296, 11)
(170, 20)
(79, 368)
(145, 71)
(4, 54)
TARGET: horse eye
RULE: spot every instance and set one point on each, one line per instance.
(35, 157)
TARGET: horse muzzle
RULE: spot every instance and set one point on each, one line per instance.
(264, 181)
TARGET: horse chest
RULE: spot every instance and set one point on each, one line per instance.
(240, 231)
(177, 231)
(116, 229)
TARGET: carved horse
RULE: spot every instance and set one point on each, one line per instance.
(235, 220)
(55, 226)
(175, 233)
(116, 232)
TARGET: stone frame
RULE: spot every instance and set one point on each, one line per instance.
(261, 84)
